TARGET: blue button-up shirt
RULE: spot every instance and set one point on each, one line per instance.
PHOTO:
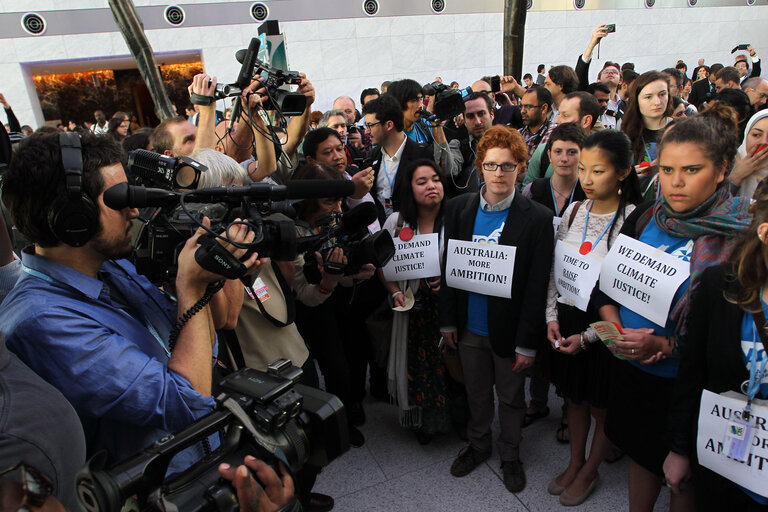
(107, 358)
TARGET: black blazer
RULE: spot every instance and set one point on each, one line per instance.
(699, 91)
(412, 151)
(711, 358)
(518, 321)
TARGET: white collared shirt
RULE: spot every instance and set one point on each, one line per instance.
(385, 181)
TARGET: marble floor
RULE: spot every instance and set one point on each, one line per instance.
(393, 472)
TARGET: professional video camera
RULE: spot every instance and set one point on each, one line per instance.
(169, 172)
(349, 231)
(449, 103)
(177, 216)
(286, 102)
(266, 415)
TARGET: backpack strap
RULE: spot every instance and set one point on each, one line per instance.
(576, 207)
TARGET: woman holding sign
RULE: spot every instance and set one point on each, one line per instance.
(416, 370)
(581, 372)
(650, 272)
(725, 352)
(497, 258)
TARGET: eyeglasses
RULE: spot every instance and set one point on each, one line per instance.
(371, 125)
(523, 106)
(35, 486)
(505, 167)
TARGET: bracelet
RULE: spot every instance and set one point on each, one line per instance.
(581, 342)
(323, 290)
(395, 294)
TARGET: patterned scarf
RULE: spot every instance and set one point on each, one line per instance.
(714, 226)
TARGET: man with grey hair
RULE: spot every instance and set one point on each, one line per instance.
(757, 90)
(346, 105)
(336, 120)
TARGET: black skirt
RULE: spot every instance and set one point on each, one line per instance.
(637, 414)
(584, 377)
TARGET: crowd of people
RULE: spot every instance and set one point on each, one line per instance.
(607, 238)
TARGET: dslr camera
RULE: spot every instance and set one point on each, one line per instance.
(264, 414)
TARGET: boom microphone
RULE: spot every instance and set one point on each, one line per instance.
(301, 189)
(124, 195)
(359, 217)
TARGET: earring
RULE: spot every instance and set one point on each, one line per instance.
(619, 190)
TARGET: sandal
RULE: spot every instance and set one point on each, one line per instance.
(562, 435)
(532, 415)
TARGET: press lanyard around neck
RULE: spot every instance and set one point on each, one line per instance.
(755, 375)
(65, 286)
(586, 247)
(554, 199)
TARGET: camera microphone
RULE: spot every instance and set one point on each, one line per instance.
(124, 195)
(359, 217)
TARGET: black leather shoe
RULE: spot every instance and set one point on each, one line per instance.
(319, 503)
(514, 476)
(356, 414)
(467, 461)
(356, 437)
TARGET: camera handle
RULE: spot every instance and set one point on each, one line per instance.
(213, 257)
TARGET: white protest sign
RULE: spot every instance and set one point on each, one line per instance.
(417, 258)
(642, 278)
(480, 268)
(714, 417)
(556, 221)
(575, 274)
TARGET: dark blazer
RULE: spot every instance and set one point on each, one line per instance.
(518, 321)
(699, 91)
(412, 151)
(711, 358)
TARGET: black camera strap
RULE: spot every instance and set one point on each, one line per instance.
(199, 99)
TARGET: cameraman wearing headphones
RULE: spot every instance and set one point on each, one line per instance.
(84, 320)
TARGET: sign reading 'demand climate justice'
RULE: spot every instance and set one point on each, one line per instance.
(480, 268)
(414, 259)
(642, 278)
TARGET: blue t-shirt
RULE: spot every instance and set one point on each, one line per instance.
(488, 227)
(680, 248)
(748, 338)
(419, 133)
(750, 341)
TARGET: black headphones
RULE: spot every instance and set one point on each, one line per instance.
(73, 218)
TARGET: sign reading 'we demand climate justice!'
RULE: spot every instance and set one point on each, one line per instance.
(481, 268)
(642, 278)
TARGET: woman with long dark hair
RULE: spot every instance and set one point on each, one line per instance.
(416, 369)
(724, 351)
(581, 371)
(649, 109)
(697, 221)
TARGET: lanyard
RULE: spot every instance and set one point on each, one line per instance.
(389, 180)
(56, 282)
(554, 199)
(586, 223)
(755, 375)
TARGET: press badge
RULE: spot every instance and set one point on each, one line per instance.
(261, 289)
(738, 437)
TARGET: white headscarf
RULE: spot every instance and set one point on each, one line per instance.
(749, 185)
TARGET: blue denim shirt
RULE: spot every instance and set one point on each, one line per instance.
(103, 356)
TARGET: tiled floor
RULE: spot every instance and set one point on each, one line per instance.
(392, 472)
